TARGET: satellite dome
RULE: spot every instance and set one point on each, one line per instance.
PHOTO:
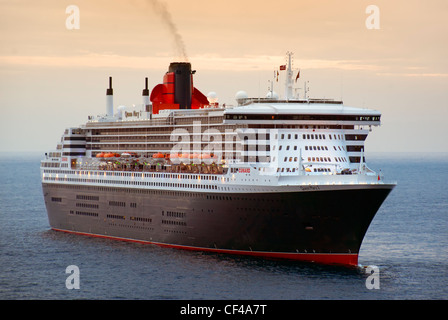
(241, 97)
(212, 97)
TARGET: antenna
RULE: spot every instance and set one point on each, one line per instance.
(288, 80)
(305, 89)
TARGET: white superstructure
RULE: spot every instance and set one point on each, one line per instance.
(258, 144)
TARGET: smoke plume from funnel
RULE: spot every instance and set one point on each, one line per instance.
(162, 10)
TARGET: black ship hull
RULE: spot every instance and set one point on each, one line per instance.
(323, 226)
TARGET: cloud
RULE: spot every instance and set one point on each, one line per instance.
(400, 74)
(203, 61)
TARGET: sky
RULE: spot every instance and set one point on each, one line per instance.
(54, 72)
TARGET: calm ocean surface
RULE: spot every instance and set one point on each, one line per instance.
(407, 241)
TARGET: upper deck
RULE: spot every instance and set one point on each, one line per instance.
(302, 112)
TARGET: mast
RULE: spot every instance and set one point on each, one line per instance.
(288, 80)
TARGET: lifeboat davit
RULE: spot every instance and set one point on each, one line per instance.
(172, 156)
(209, 156)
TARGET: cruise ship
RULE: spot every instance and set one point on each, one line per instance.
(267, 177)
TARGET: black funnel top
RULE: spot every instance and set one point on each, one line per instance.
(146, 90)
(182, 83)
(110, 91)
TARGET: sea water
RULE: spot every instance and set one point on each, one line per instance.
(407, 243)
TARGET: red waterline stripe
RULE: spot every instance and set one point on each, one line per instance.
(349, 259)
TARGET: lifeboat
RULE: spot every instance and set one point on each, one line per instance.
(209, 157)
(158, 155)
(100, 155)
(109, 155)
